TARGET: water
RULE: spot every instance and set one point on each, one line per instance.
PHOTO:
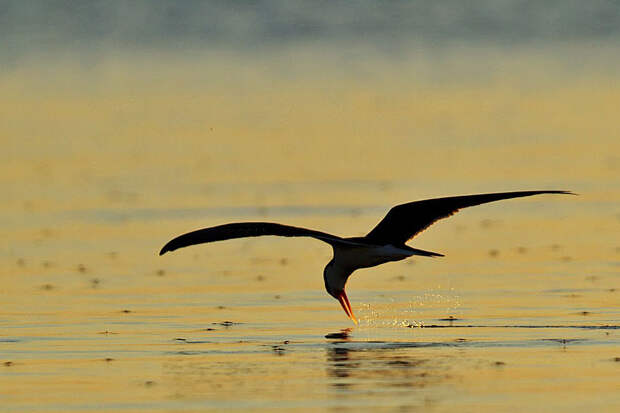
(110, 151)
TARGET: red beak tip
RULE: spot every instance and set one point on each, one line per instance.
(346, 306)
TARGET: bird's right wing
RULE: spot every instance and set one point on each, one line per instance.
(404, 221)
(247, 229)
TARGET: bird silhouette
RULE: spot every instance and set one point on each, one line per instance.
(384, 243)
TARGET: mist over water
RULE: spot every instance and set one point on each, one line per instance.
(124, 124)
(393, 29)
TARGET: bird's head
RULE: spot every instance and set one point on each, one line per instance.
(335, 279)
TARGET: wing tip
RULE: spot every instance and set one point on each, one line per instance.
(562, 192)
(165, 249)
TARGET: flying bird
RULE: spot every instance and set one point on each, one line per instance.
(385, 243)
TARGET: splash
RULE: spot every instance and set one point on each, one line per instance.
(394, 312)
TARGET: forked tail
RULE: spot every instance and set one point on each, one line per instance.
(416, 251)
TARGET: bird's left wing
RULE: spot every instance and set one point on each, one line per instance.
(404, 221)
(247, 229)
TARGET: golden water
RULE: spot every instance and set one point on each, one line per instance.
(101, 166)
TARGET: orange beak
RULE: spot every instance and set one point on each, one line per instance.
(346, 306)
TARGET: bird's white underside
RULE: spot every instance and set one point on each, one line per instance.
(368, 256)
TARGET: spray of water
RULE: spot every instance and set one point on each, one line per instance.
(395, 311)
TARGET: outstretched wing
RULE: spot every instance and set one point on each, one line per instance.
(247, 229)
(404, 221)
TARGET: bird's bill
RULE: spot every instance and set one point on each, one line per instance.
(346, 306)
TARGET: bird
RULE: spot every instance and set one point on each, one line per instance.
(386, 242)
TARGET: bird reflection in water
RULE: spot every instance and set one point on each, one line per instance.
(376, 366)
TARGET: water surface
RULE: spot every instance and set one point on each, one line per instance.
(109, 152)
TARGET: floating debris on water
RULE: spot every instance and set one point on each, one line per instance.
(277, 296)
(149, 383)
(493, 253)
(284, 261)
(8, 363)
(226, 323)
(108, 359)
(95, 282)
(342, 334)
(81, 268)
(220, 307)
(449, 318)
(260, 278)
(399, 363)
(585, 313)
(499, 363)
(189, 341)
(106, 332)
(278, 350)
(126, 311)
(522, 250)
(160, 273)
(47, 287)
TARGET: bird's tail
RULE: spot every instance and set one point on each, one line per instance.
(415, 251)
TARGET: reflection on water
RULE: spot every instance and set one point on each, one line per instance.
(373, 368)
